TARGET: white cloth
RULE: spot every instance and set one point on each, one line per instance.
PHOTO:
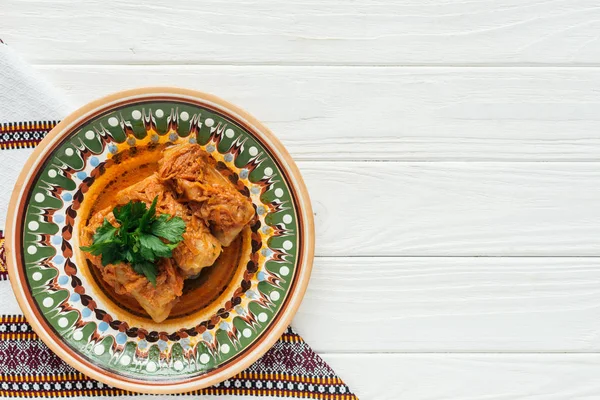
(23, 95)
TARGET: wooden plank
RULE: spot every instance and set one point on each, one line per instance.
(458, 209)
(470, 376)
(298, 32)
(412, 114)
(452, 304)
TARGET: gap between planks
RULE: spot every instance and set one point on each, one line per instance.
(207, 63)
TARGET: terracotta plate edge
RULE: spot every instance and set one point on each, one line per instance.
(273, 332)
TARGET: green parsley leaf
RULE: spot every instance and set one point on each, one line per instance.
(141, 239)
(148, 269)
(169, 229)
(148, 216)
(111, 254)
(152, 247)
(130, 214)
(105, 233)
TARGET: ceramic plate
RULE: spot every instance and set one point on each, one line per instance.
(93, 331)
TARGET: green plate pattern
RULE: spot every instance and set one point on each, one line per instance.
(66, 299)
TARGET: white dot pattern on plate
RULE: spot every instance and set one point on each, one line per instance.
(247, 332)
(268, 171)
(89, 135)
(159, 113)
(125, 360)
(287, 245)
(229, 133)
(99, 350)
(287, 219)
(69, 152)
(37, 276)
(151, 366)
(275, 296)
(262, 317)
(225, 348)
(52, 173)
(279, 192)
(33, 225)
(253, 151)
(48, 302)
(209, 122)
(204, 358)
(39, 197)
(184, 116)
(32, 250)
(284, 271)
(136, 114)
(63, 322)
(178, 365)
(78, 335)
(113, 121)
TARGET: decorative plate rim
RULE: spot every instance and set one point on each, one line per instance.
(271, 333)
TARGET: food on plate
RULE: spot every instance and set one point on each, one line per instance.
(155, 232)
(192, 175)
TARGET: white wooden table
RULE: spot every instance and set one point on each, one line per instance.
(451, 150)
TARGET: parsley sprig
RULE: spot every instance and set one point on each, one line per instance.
(141, 238)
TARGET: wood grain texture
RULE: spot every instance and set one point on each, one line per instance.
(498, 161)
(458, 209)
(411, 114)
(471, 376)
(452, 304)
(369, 32)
